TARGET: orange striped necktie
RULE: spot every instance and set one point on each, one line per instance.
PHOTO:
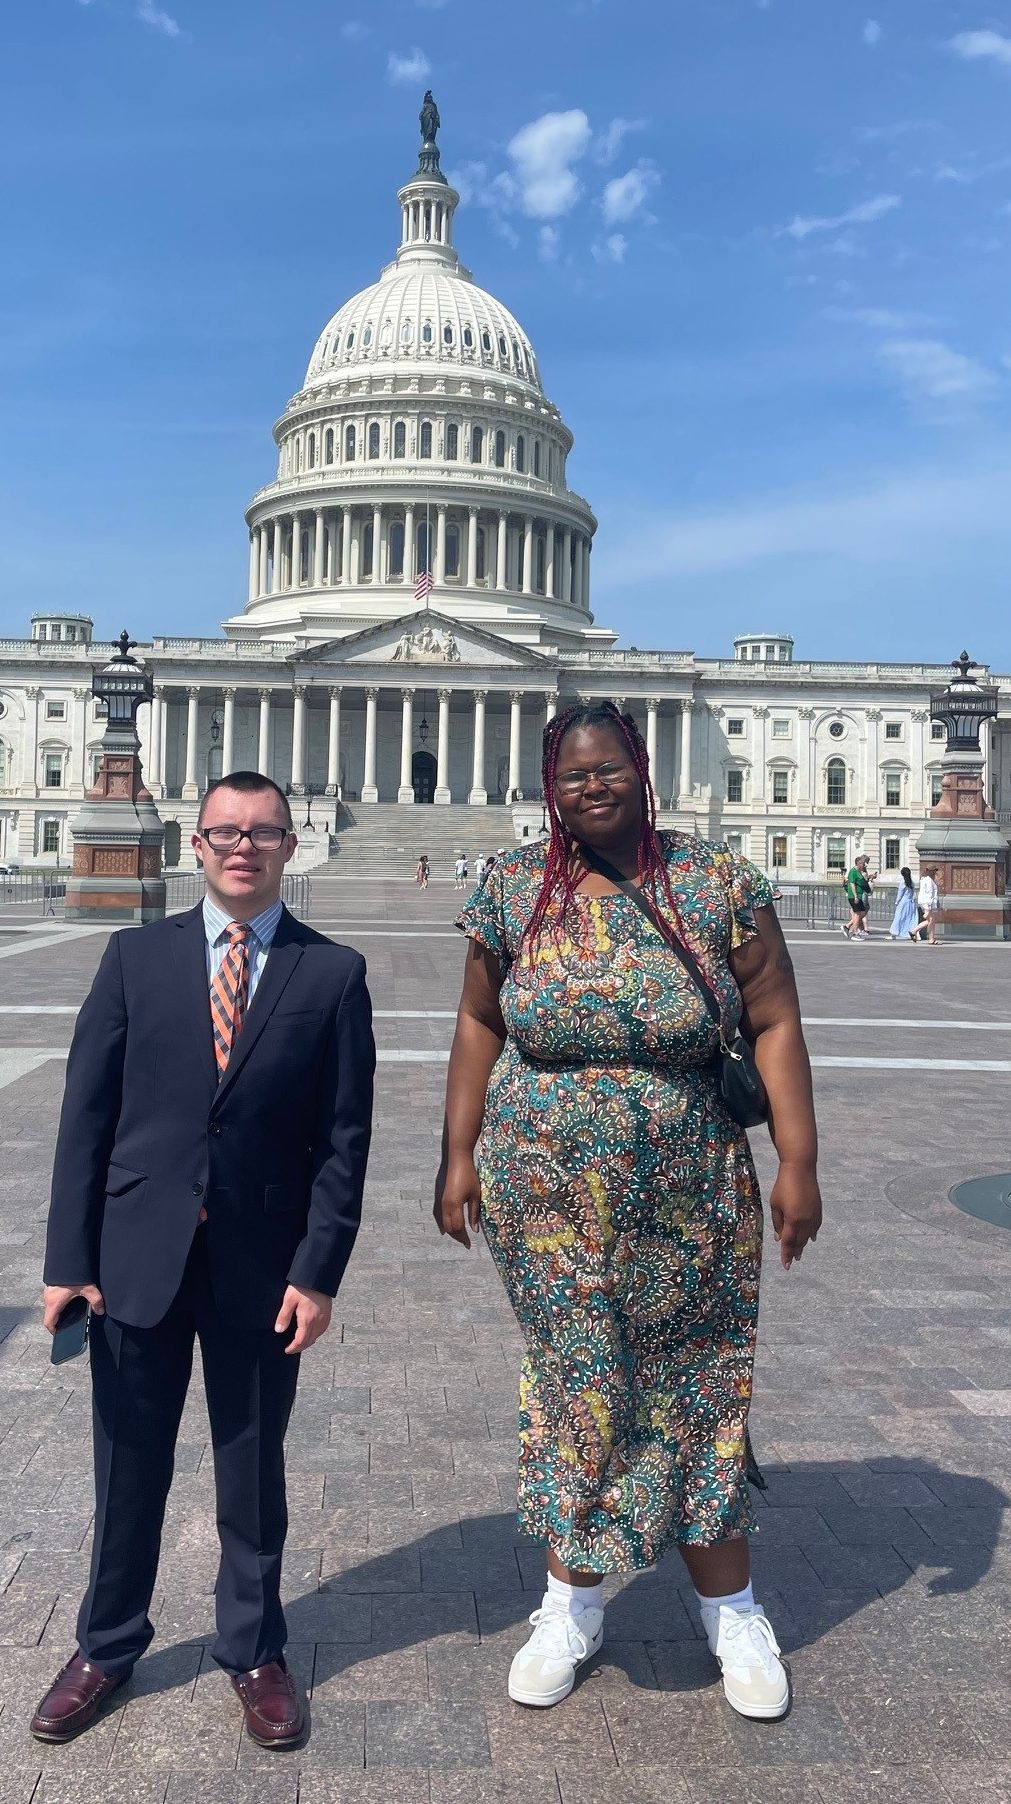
(230, 993)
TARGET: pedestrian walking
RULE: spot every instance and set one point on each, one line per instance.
(928, 901)
(480, 867)
(859, 883)
(618, 1196)
(905, 917)
(207, 1183)
(460, 872)
(421, 875)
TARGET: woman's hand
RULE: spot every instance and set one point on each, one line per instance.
(457, 1198)
(796, 1210)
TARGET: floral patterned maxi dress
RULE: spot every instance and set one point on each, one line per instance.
(621, 1207)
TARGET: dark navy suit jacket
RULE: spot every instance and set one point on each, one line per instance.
(276, 1152)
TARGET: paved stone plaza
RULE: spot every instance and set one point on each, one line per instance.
(882, 1420)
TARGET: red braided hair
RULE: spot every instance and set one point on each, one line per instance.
(559, 875)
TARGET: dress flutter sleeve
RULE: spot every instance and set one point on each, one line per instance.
(748, 889)
(483, 918)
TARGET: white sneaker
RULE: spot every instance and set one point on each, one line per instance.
(754, 1678)
(544, 1671)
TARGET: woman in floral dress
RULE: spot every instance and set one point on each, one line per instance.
(619, 1199)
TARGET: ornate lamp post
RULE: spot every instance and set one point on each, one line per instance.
(962, 843)
(118, 835)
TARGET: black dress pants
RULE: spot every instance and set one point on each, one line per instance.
(140, 1378)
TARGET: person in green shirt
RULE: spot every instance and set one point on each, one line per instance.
(859, 883)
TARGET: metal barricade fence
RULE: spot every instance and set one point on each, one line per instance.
(826, 904)
(44, 893)
(184, 889)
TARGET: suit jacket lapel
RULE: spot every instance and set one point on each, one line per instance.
(284, 954)
(189, 947)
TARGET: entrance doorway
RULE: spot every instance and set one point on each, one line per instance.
(423, 776)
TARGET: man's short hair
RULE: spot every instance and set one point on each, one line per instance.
(247, 782)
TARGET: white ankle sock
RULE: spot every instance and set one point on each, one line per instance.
(575, 1598)
(737, 1600)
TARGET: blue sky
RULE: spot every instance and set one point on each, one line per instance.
(762, 251)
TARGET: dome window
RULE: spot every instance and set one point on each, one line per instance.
(311, 458)
(396, 551)
(367, 337)
(500, 450)
(335, 345)
(447, 334)
(486, 341)
(477, 445)
(452, 551)
(468, 338)
(426, 332)
(452, 443)
(481, 560)
(386, 335)
(298, 457)
(425, 439)
(503, 349)
(406, 332)
(400, 439)
(368, 548)
(349, 444)
(521, 453)
(374, 439)
(537, 456)
(328, 445)
(349, 342)
(517, 359)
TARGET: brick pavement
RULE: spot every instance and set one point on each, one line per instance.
(881, 1418)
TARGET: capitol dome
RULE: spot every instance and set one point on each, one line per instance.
(421, 443)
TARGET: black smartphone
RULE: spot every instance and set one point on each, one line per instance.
(70, 1336)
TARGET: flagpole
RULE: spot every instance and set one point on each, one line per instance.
(428, 544)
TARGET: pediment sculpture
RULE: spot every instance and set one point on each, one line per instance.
(427, 646)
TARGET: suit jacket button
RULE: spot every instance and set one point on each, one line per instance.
(215, 1128)
(198, 1190)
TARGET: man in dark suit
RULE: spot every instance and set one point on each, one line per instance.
(207, 1184)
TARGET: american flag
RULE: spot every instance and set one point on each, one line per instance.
(423, 586)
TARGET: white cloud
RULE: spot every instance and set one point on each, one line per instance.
(407, 71)
(881, 319)
(543, 154)
(971, 45)
(863, 214)
(607, 147)
(547, 243)
(872, 32)
(887, 134)
(160, 21)
(626, 195)
(611, 249)
(929, 370)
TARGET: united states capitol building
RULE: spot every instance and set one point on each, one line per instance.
(422, 444)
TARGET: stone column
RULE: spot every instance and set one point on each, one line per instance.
(478, 793)
(377, 544)
(263, 738)
(275, 575)
(296, 550)
(500, 552)
(264, 560)
(439, 566)
(409, 543)
(369, 791)
(527, 583)
(549, 561)
(471, 547)
(318, 549)
(585, 582)
(157, 737)
(576, 595)
(652, 712)
(550, 707)
(405, 793)
(685, 767)
(228, 734)
(356, 549)
(346, 545)
(567, 564)
(333, 744)
(163, 754)
(190, 790)
(442, 789)
(515, 748)
(298, 738)
(254, 563)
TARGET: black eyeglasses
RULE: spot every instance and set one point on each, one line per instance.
(226, 839)
(570, 782)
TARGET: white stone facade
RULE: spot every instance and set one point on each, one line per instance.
(422, 443)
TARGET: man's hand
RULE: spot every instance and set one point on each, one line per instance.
(311, 1312)
(55, 1298)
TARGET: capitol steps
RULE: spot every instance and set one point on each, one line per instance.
(385, 837)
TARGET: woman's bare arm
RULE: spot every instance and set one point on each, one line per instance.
(479, 1038)
(772, 1026)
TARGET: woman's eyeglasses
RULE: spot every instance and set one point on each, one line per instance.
(571, 782)
(226, 839)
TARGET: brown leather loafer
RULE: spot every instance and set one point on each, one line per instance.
(275, 1717)
(73, 1700)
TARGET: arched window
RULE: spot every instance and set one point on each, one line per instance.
(452, 551)
(374, 439)
(312, 451)
(426, 332)
(500, 450)
(516, 355)
(349, 444)
(486, 341)
(421, 557)
(477, 445)
(367, 337)
(537, 456)
(835, 782)
(367, 548)
(452, 443)
(298, 456)
(540, 562)
(428, 220)
(482, 567)
(521, 453)
(349, 342)
(400, 439)
(406, 332)
(396, 552)
(335, 346)
(468, 338)
(328, 445)
(425, 439)
(503, 349)
(447, 334)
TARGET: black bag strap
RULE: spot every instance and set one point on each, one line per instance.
(681, 952)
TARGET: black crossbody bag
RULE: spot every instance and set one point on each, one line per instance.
(741, 1086)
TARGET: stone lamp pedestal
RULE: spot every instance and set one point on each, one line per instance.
(962, 843)
(118, 835)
